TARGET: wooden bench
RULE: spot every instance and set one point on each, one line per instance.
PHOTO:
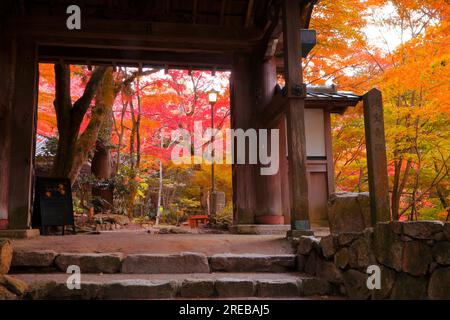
(194, 220)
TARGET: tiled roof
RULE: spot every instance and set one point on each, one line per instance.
(329, 93)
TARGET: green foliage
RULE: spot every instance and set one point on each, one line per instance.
(174, 216)
(430, 213)
(77, 207)
(223, 220)
(126, 181)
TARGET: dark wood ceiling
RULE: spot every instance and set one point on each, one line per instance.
(153, 30)
(207, 12)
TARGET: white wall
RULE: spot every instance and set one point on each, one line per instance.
(315, 133)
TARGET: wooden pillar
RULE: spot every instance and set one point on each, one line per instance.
(242, 101)
(7, 64)
(376, 156)
(284, 172)
(23, 118)
(329, 152)
(269, 195)
(295, 114)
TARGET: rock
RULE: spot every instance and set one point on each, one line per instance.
(406, 238)
(16, 286)
(186, 262)
(346, 238)
(311, 263)
(41, 258)
(235, 288)
(278, 288)
(446, 230)
(51, 290)
(441, 253)
(327, 270)
(408, 287)
(349, 212)
(416, 258)
(355, 283)
(38, 290)
(90, 262)
(396, 227)
(387, 283)
(388, 247)
(422, 229)
(138, 289)
(360, 254)
(342, 258)
(5, 294)
(252, 262)
(306, 244)
(368, 233)
(433, 266)
(197, 288)
(314, 287)
(6, 252)
(440, 236)
(114, 218)
(342, 290)
(439, 287)
(328, 246)
(301, 262)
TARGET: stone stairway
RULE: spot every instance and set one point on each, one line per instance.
(188, 275)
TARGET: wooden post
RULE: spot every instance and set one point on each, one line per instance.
(295, 117)
(242, 117)
(329, 152)
(269, 196)
(376, 156)
(7, 64)
(24, 103)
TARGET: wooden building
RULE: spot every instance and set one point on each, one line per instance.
(253, 39)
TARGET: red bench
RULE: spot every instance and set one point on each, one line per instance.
(194, 220)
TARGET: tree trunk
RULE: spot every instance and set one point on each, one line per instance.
(87, 140)
(160, 185)
(101, 169)
(132, 135)
(138, 124)
(398, 187)
(70, 149)
(120, 134)
(158, 211)
(101, 162)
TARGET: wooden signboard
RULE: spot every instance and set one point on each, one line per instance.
(53, 203)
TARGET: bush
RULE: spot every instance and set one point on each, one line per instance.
(224, 219)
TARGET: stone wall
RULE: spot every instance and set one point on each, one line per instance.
(349, 212)
(414, 259)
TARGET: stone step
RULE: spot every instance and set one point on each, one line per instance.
(186, 262)
(173, 286)
(252, 263)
